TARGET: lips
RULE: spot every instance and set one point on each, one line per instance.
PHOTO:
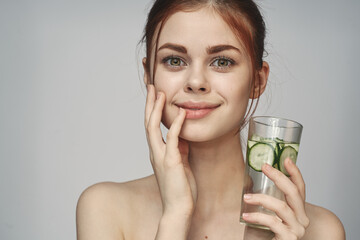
(197, 110)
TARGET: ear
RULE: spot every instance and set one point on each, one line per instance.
(260, 81)
(146, 73)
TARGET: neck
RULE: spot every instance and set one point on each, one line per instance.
(218, 167)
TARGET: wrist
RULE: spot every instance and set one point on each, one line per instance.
(178, 213)
(174, 226)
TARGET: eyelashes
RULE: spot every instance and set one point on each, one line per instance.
(223, 62)
(220, 62)
(173, 61)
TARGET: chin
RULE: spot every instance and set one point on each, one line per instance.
(194, 138)
(200, 133)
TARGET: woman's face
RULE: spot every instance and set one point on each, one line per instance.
(201, 66)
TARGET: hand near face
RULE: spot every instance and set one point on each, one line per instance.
(291, 220)
(169, 160)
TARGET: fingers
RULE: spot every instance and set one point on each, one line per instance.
(275, 224)
(292, 194)
(295, 176)
(290, 220)
(284, 224)
(150, 100)
(176, 182)
(153, 125)
(173, 153)
(153, 114)
(172, 137)
(282, 210)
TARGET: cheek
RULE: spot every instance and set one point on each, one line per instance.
(170, 84)
(236, 91)
(242, 93)
(236, 96)
(239, 103)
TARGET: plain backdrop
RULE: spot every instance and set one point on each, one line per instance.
(72, 100)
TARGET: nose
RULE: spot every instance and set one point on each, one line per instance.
(197, 82)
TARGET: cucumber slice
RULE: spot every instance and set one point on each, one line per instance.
(251, 143)
(281, 145)
(259, 154)
(287, 152)
(276, 145)
(256, 138)
(293, 145)
(269, 141)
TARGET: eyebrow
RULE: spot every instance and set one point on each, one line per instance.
(209, 50)
(220, 48)
(174, 47)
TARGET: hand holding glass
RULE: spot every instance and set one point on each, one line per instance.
(271, 140)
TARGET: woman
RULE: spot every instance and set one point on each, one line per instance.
(203, 64)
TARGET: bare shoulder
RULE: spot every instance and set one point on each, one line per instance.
(324, 224)
(107, 210)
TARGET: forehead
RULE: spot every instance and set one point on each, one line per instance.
(200, 28)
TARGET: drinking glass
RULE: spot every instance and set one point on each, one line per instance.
(271, 140)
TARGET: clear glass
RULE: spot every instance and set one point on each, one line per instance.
(283, 136)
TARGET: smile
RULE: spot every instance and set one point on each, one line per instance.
(197, 110)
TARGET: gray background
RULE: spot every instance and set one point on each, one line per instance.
(72, 99)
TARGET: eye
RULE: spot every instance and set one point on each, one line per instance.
(222, 62)
(173, 61)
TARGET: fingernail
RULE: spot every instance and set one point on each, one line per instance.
(245, 215)
(290, 162)
(158, 95)
(247, 196)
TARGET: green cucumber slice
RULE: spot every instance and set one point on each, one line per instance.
(287, 152)
(259, 154)
(251, 143)
(256, 138)
(270, 141)
(293, 145)
(276, 145)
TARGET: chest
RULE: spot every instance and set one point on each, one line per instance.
(221, 227)
(144, 220)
